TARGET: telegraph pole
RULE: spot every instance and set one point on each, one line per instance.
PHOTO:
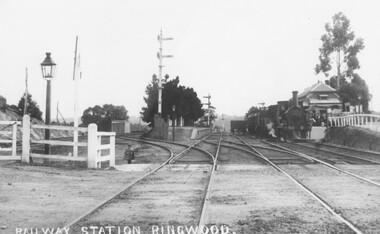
(76, 98)
(160, 56)
(208, 109)
(223, 122)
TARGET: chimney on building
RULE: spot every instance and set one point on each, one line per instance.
(295, 98)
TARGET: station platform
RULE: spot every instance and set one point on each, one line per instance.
(187, 133)
(317, 133)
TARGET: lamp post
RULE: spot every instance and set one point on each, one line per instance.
(360, 104)
(48, 70)
(173, 108)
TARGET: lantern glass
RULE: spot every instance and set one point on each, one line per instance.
(173, 108)
(48, 67)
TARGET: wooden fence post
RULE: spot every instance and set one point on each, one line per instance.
(14, 139)
(112, 151)
(92, 146)
(25, 139)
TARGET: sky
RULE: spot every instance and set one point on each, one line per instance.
(240, 52)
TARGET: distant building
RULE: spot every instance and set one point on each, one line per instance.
(121, 126)
(318, 99)
(320, 95)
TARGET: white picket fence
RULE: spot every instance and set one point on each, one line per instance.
(9, 130)
(371, 122)
(94, 144)
(95, 147)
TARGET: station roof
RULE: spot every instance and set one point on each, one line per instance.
(318, 87)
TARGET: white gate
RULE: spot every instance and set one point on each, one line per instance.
(93, 143)
(8, 140)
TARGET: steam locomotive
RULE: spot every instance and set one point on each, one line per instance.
(285, 120)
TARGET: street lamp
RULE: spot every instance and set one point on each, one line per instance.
(48, 70)
(360, 104)
(173, 108)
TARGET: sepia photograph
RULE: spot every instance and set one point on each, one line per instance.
(189, 117)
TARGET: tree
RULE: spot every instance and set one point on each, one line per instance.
(339, 48)
(356, 92)
(189, 105)
(186, 100)
(103, 116)
(251, 112)
(338, 56)
(213, 116)
(151, 101)
(33, 109)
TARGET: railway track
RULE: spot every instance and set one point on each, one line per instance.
(307, 186)
(138, 200)
(214, 161)
(325, 164)
(113, 196)
(342, 153)
(252, 157)
(122, 196)
(247, 173)
(277, 155)
(181, 153)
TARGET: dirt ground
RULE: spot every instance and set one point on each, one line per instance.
(371, 172)
(144, 153)
(247, 196)
(38, 196)
(265, 201)
(171, 196)
(357, 200)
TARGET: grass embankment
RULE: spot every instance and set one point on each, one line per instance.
(355, 137)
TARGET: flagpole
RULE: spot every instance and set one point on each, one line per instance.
(26, 91)
(76, 97)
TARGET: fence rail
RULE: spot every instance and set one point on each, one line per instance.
(12, 141)
(94, 145)
(371, 122)
(63, 128)
(63, 143)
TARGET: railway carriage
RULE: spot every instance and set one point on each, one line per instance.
(238, 126)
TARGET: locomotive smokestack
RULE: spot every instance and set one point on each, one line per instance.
(295, 98)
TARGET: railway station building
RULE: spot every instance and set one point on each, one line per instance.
(318, 100)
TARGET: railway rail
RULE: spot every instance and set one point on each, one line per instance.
(214, 158)
(276, 154)
(342, 152)
(256, 156)
(178, 156)
(327, 164)
(172, 158)
(329, 155)
(307, 189)
(108, 199)
(268, 153)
